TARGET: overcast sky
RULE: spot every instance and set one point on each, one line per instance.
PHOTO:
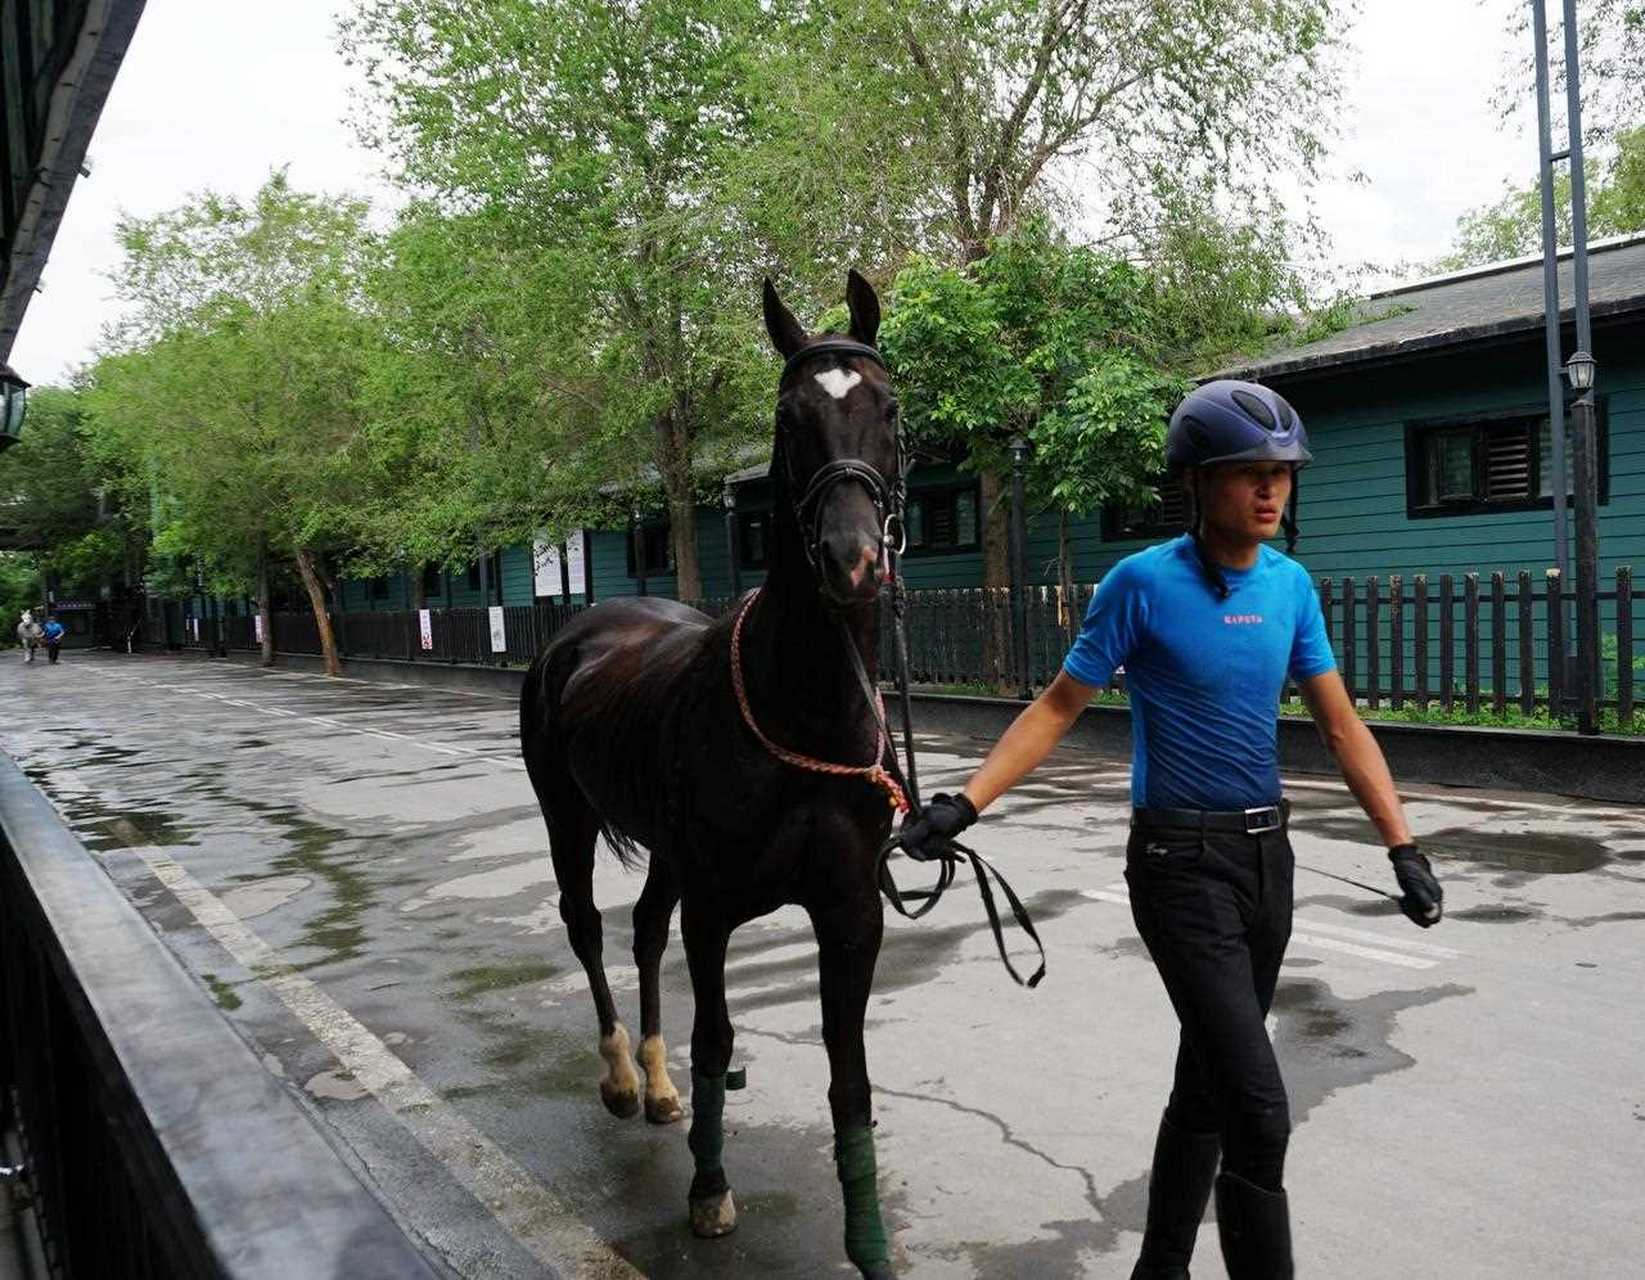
(217, 92)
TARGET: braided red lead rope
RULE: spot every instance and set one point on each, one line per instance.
(874, 774)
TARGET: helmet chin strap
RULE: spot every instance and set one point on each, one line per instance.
(1213, 573)
(1288, 521)
(1208, 566)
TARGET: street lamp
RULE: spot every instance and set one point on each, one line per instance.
(1580, 369)
(729, 498)
(13, 404)
(1019, 567)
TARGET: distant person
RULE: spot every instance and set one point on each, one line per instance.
(29, 633)
(54, 634)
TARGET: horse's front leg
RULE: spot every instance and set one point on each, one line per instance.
(713, 1211)
(849, 928)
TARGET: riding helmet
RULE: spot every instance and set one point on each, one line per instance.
(1229, 421)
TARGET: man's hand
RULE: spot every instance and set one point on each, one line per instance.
(1423, 901)
(943, 818)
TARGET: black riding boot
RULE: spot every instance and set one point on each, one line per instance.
(1256, 1230)
(1184, 1166)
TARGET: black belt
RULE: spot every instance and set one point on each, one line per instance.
(1250, 822)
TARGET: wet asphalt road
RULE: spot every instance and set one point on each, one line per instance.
(1468, 1101)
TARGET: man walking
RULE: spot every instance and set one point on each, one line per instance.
(1208, 626)
(54, 639)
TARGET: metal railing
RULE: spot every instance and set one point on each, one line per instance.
(1483, 642)
(154, 1144)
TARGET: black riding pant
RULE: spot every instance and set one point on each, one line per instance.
(1214, 909)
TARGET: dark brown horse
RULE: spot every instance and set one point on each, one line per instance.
(631, 726)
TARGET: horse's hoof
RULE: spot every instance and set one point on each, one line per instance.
(663, 1110)
(622, 1103)
(714, 1216)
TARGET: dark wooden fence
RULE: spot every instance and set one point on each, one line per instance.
(1482, 642)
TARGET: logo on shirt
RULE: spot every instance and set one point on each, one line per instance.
(1242, 619)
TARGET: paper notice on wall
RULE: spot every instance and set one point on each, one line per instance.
(546, 566)
(257, 627)
(499, 638)
(425, 627)
(194, 629)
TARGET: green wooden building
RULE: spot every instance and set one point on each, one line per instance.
(1430, 432)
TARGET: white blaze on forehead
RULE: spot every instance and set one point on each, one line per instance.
(837, 382)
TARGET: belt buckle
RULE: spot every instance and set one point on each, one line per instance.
(1259, 821)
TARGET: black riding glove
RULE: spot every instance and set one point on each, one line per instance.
(1423, 901)
(943, 818)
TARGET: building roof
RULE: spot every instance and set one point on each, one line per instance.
(1477, 305)
(51, 104)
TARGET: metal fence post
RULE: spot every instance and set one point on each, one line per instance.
(1499, 645)
(1447, 641)
(1420, 638)
(1625, 647)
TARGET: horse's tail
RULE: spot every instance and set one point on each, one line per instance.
(542, 744)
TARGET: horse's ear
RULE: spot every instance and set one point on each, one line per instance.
(786, 334)
(865, 307)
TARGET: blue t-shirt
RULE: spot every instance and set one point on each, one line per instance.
(54, 630)
(1204, 675)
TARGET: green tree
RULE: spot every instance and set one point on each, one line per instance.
(1075, 349)
(232, 387)
(1512, 226)
(1610, 52)
(592, 149)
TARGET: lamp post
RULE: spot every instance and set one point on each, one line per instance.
(729, 498)
(1019, 568)
(638, 540)
(1581, 369)
(13, 405)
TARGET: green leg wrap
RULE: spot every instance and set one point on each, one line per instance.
(707, 1137)
(865, 1242)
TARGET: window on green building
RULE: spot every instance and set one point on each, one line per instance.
(1163, 519)
(1502, 463)
(657, 547)
(753, 538)
(942, 520)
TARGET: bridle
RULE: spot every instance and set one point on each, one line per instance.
(888, 496)
(902, 789)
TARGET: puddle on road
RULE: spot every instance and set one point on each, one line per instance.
(262, 896)
(1528, 852)
(1534, 853)
(1495, 913)
(336, 1085)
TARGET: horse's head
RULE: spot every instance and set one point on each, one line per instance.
(836, 454)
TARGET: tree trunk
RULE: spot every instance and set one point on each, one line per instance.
(1065, 579)
(317, 601)
(682, 523)
(674, 463)
(996, 573)
(264, 611)
(419, 587)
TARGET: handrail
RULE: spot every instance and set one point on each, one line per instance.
(156, 1141)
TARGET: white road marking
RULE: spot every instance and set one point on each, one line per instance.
(537, 1217)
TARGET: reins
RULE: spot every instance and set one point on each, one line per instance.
(902, 789)
(874, 773)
